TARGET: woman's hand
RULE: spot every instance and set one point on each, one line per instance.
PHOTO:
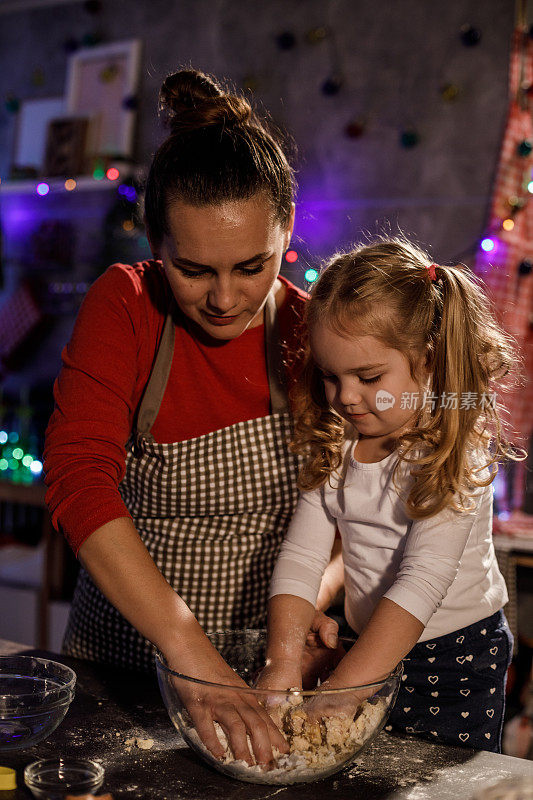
(236, 710)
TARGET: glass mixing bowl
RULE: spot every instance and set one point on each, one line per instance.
(34, 697)
(318, 748)
(53, 778)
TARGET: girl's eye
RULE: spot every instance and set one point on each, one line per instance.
(371, 380)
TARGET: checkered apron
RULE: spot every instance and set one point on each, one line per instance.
(212, 512)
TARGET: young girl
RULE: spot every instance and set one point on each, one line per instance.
(396, 410)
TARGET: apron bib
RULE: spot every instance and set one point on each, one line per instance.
(212, 512)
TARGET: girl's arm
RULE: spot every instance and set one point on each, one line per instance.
(389, 635)
(331, 590)
(289, 620)
(433, 552)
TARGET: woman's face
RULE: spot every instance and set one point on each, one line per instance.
(222, 260)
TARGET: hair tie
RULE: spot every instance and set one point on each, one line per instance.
(432, 271)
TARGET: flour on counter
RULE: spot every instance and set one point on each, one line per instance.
(520, 788)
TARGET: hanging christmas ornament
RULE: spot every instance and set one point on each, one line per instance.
(109, 73)
(450, 92)
(524, 148)
(70, 45)
(286, 40)
(91, 39)
(516, 203)
(355, 129)
(12, 104)
(332, 85)
(37, 77)
(316, 35)
(409, 138)
(92, 6)
(130, 102)
(250, 83)
(525, 267)
(470, 36)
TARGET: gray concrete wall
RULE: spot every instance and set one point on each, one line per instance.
(394, 55)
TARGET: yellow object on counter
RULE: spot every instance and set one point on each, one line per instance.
(8, 779)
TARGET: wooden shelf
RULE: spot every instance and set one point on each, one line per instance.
(84, 183)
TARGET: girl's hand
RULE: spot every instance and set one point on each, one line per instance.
(239, 713)
(343, 704)
(322, 650)
(323, 630)
(282, 675)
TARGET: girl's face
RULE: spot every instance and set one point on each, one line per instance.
(222, 261)
(366, 382)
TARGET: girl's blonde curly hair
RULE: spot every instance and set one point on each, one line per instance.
(384, 289)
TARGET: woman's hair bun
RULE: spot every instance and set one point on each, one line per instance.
(189, 99)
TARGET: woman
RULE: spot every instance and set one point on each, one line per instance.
(167, 455)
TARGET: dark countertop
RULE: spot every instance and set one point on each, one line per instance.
(112, 706)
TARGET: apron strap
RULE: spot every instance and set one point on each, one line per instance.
(279, 402)
(155, 388)
(157, 382)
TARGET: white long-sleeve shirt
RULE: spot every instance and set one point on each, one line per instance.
(443, 570)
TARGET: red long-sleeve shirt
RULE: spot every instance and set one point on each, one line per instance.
(106, 366)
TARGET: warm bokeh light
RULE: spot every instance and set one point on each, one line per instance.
(291, 256)
(70, 184)
(508, 224)
(128, 225)
(112, 173)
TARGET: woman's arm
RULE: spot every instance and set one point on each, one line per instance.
(124, 571)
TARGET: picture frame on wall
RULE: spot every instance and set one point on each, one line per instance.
(65, 153)
(31, 133)
(102, 84)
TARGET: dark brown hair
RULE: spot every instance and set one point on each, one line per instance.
(218, 150)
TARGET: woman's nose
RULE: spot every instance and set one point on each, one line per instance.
(221, 295)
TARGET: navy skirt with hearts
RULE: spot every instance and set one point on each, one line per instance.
(453, 687)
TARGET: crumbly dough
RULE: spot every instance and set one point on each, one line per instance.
(142, 744)
(314, 745)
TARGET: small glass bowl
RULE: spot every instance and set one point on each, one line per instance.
(53, 778)
(315, 754)
(35, 694)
